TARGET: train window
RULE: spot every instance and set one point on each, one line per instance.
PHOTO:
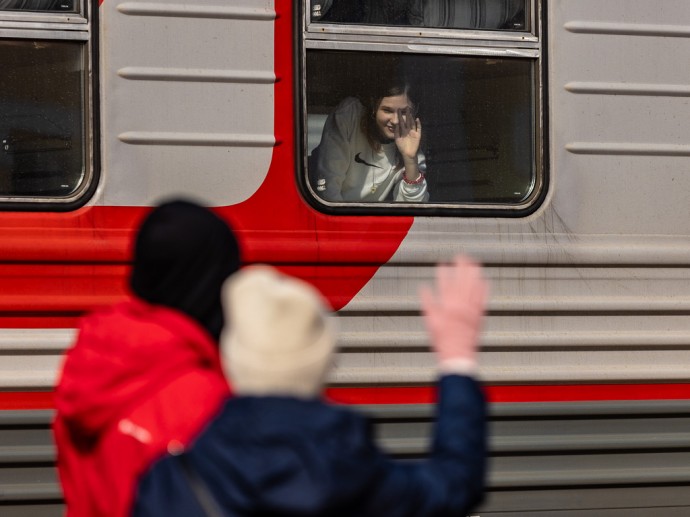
(38, 5)
(423, 105)
(45, 102)
(457, 14)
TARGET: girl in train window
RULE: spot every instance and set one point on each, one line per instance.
(370, 151)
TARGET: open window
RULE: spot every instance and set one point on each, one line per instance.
(45, 101)
(468, 71)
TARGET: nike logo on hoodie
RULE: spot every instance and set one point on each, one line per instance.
(359, 159)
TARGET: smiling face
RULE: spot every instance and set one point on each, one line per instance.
(388, 112)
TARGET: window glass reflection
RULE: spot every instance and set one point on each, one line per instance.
(38, 5)
(459, 14)
(42, 123)
(472, 117)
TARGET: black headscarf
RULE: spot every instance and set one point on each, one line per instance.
(183, 254)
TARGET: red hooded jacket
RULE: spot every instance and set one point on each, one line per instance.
(141, 379)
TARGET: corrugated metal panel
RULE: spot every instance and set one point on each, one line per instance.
(31, 357)
(28, 480)
(556, 458)
(546, 324)
(620, 121)
(603, 458)
(191, 96)
(383, 339)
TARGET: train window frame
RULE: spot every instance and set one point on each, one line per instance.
(74, 27)
(529, 44)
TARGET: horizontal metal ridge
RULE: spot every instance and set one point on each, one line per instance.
(30, 491)
(29, 380)
(32, 417)
(619, 408)
(514, 339)
(627, 29)
(543, 303)
(192, 10)
(656, 90)
(556, 248)
(405, 446)
(526, 369)
(36, 340)
(196, 139)
(201, 75)
(27, 454)
(592, 442)
(61, 303)
(397, 411)
(552, 444)
(628, 149)
(531, 410)
(596, 476)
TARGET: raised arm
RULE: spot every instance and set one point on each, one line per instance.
(453, 314)
(451, 481)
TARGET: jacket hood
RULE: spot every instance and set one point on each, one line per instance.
(122, 355)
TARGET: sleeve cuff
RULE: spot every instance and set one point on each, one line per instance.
(458, 366)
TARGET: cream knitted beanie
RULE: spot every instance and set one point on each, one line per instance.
(279, 336)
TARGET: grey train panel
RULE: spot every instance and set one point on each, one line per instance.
(38, 510)
(555, 324)
(593, 458)
(28, 480)
(562, 459)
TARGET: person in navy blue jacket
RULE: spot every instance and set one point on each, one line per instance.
(277, 449)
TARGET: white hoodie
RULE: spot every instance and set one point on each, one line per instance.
(353, 171)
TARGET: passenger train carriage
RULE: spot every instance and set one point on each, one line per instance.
(556, 136)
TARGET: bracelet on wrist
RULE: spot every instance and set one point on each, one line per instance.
(415, 182)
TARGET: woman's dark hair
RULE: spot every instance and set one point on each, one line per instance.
(371, 104)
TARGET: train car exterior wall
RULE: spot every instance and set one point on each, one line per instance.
(586, 350)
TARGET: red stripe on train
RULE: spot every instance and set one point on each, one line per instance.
(516, 393)
(27, 400)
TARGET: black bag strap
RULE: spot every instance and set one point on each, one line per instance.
(203, 495)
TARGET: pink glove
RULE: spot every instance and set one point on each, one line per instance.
(454, 314)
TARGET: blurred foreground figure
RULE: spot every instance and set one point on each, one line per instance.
(145, 374)
(277, 449)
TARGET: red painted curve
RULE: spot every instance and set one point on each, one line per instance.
(345, 251)
(338, 254)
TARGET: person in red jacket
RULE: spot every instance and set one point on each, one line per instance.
(144, 375)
